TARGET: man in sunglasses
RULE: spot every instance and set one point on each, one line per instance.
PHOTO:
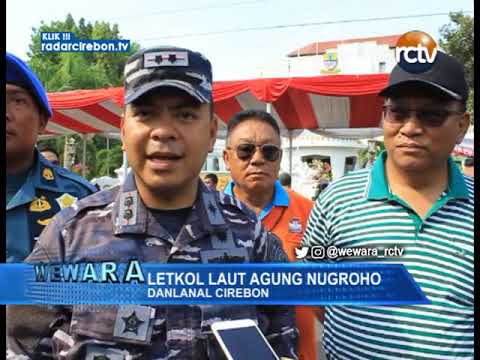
(161, 213)
(416, 198)
(252, 155)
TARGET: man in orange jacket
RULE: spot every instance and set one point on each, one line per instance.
(252, 155)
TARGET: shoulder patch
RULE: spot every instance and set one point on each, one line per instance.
(65, 200)
(97, 200)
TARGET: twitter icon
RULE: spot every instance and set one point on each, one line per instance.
(301, 253)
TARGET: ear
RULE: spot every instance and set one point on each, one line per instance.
(43, 120)
(226, 159)
(122, 129)
(213, 133)
(463, 125)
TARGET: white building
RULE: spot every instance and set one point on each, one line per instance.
(370, 55)
(342, 154)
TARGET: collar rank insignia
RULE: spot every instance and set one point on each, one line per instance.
(128, 201)
(128, 214)
(47, 174)
(65, 200)
(128, 208)
(40, 204)
(294, 225)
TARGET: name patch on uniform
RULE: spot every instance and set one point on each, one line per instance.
(234, 255)
(295, 225)
(103, 353)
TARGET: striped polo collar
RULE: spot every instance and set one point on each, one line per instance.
(378, 188)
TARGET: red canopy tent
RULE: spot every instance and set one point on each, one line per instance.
(322, 102)
(465, 148)
(316, 103)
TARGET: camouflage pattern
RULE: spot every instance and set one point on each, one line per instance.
(47, 190)
(114, 225)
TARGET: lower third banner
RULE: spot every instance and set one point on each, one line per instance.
(172, 284)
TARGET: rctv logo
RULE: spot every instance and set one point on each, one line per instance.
(416, 51)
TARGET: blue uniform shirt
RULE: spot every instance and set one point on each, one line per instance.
(47, 190)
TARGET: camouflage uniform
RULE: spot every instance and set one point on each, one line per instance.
(114, 225)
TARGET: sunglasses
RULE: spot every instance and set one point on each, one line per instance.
(269, 152)
(429, 117)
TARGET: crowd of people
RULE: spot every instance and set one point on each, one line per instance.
(413, 196)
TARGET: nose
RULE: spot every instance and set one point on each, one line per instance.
(163, 129)
(8, 112)
(412, 126)
(257, 157)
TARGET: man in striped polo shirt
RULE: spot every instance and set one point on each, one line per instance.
(416, 198)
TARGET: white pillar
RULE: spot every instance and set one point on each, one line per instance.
(290, 148)
(84, 155)
(337, 162)
(108, 155)
(125, 165)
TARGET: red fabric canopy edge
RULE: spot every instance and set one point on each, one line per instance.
(266, 90)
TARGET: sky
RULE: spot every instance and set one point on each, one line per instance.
(235, 54)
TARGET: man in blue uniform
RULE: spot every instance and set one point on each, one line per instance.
(161, 213)
(36, 189)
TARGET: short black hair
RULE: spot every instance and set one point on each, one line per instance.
(468, 162)
(212, 177)
(251, 114)
(46, 147)
(285, 179)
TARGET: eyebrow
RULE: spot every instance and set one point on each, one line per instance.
(17, 92)
(245, 140)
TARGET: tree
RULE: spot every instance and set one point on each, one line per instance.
(100, 160)
(89, 70)
(71, 71)
(364, 156)
(457, 40)
(109, 160)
